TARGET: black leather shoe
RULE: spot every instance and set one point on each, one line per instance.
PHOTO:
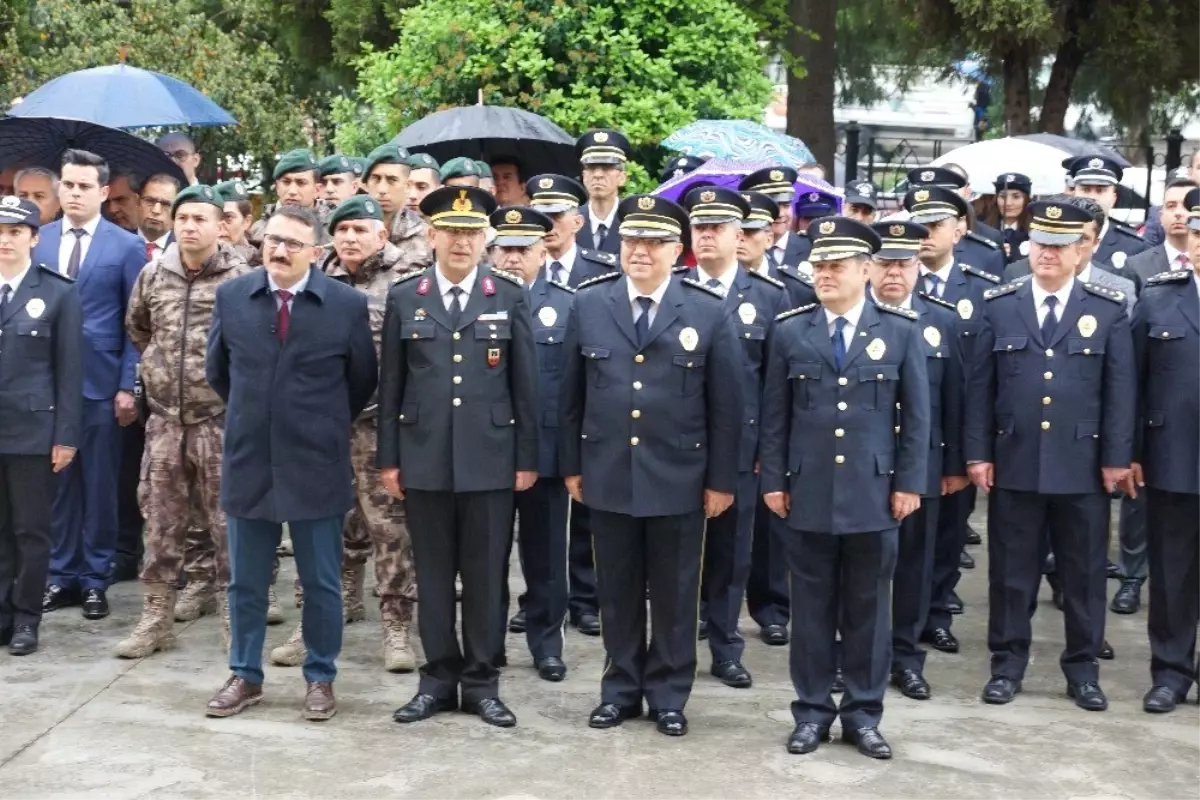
(671, 723)
(839, 683)
(1000, 690)
(942, 640)
(973, 537)
(610, 715)
(954, 603)
(1088, 696)
(1106, 651)
(1112, 571)
(774, 635)
(702, 630)
(869, 741)
(500, 661)
(588, 624)
(966, 560)
(6, 633)
(912, 684)
(24, 640)
(423, 706)
(57, 597)
(1160, 700)
(1128, 598)
(732, 674)
(517, 623)
(806, 737)
(551, 668)
(95, 604)
(492, 711)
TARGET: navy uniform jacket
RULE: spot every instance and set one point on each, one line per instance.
(1118, 244)
(106, 278)
(988, 233)
(41, 374)
(828, 436)
(458, 405)
(982, 254)
(1049, 415)
(289, 404)
(551, 304)
(650, 429)
(964, 290)
(1017, 243)
(799, 286)
(1128, 276)
(797, 249)
(1166, 337)
(588, 264)
(585, 240)
(751, 308)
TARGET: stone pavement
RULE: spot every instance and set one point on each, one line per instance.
(78, 723)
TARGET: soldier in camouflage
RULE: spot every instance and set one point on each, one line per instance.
(386, 181)
(168, 318)
(297, 183)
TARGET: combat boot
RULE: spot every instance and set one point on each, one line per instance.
(293, 652)
(154, 630)
(199, 597)
(274, 612)
(352, 592)
(397, 648)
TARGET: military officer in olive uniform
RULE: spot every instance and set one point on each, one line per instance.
(1051, 398)
(841, 376)
(650, 425)
(458, 432)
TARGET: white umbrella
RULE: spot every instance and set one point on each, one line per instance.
(987, 160)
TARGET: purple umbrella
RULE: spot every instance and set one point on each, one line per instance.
(729, 173)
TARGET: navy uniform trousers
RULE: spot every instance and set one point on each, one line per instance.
(911, 587)
(542, 548)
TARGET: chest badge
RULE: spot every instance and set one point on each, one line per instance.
(1087, 325)
(547, 316)
(876, 349)
(747, 313)
(1023, 248)
(35, 307)
(493, 356)
(689, 339)
(489, 286)
(965, 308)
(933, 336)
(423, 286)
(1118, 259)
(420, 313)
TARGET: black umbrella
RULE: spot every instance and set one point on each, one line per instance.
(489, 132)
(1077, 147)
(40, 142)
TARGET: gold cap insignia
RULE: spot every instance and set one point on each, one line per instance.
(814, 197)
(1011, 178)
(928, 175)
(546, 183)
(1096, 163)
(512, 217)
(1053, 212)
(920, 196)
(601, 137)
(708, 197)
(896, 230)
(10, 202)
(681, 162)
(827, 227)
(645, 203)
(463, 203)
(776, 175)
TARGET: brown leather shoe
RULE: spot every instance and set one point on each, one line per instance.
(318, 702)
(234, 697)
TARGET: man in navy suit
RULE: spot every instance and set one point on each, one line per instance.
(105, 261)
(602, 154)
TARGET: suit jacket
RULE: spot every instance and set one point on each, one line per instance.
(551, 304)
(1050, 414)
(458, 405)
(583, 237)
(41, 372)
(289, 404)
(105, 282)
(829, 436)
(1149, 263)
(650, 428)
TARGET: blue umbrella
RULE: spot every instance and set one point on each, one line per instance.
(740, 140)
(121, 96)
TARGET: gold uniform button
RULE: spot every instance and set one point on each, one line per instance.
(747, 336)
(456, 336)
(839, 459)
(458, 378)
(457, 358)
(636, 414)
(457, 402)
(549, 338)
(1047, 375)
(1046, 401)
(842, 406)
(637, 385)
(1166, 335)
(634, 441)
(1049, 354)
(1087, 351)
(401, 416)
(1045, 426)
(416, 336)
(843, 381)
(897, 429)
(879, 376)
(839, 432)
(639, 358)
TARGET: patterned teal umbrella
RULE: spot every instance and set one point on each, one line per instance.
(738, 139)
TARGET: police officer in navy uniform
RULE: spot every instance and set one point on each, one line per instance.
(1166, 336)
(650, 426)
(752, 301)
(981, 249)
(1016, 238)
(788, 250)
(807, 206)
(602, 157)
(518, 249)
(940, 209)
(678, 166)
(41, 391)
(458, 432)
(894, 276)
(1051, 402)
(1098, 177)
(841, 376)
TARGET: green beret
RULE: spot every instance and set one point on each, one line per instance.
(360, 206)
(199, 193)
(233, 191)
(385, 154)
(460, 168)
(485, 169)
(337, 164)
(294, 161)
(423, 161)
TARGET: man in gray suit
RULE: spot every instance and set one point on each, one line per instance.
(1171, 253)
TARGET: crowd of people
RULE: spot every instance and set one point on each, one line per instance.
(754, 396)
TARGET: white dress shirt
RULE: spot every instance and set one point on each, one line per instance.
(607, 222)
(656, 296)
(67, 244)
(296, 288)
(160, 244)
(852, 317)
(567, 261)
(1173, 257)
(1085, 275)
(1039, 300)
(445, 285)
(780, 246)
(726, 280)
(15, 283)
(943, 274)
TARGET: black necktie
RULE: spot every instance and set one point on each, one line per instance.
(931, 283)
(839, 343)
(601, 233)
(5, 291)
(556, 270)
(76, 253)
(772, 260)
(1050, 323)
(641, 325)
(455, 309)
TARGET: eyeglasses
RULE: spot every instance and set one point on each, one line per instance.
(153, 203)
(271, 244)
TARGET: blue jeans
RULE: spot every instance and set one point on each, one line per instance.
(317, 544)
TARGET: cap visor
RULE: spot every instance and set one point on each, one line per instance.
(817, 256)
(814, 212)
(502, 240)
(707, 220)
(755, 225)
(552, 208)
(1054, 239)
(897, 253)
(454, 221)
(589, 161)
(934, 216)
(854, 200)
(1193, 224)
(634, 232)
(1095, 180)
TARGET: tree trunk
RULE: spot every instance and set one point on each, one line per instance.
(1067, 61)
(1015, 66)
(810, 99)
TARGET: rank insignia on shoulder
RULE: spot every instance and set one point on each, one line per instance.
(681, 269)
(987, 276)
(773, 281)
(1000, 291)
(1108, 294)
(562, 286)
(508, 276)
(608, 276)
(897, 310)
(983, 240)
(702, 287)
(937, 301)
(1171, 276)
(407, 276)
(56, 273)
(793, 312)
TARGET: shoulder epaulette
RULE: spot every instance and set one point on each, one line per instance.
(773, 281)
(562, 286)
(796, 276)
(1000, 291)
(799, 310)
(907, 313)
(56, 273)
(508, 276)
(982, 240)
(407, 276)
(1170, 276)
(978, 273)
(1108, 294)
(608, 276)
(698, 285)
(598, 255)
(679, 270)
(937, 301)
(1121, 227)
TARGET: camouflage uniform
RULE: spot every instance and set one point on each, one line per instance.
(254, 236)
(409, 234)
(250, 254)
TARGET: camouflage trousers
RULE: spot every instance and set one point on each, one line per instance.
(180, 490)
(200, 555)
